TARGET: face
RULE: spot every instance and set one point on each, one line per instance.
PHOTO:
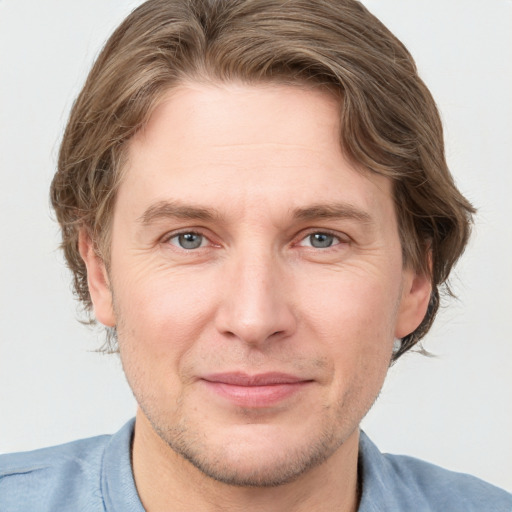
(256, 281)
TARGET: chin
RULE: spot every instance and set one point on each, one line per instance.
(252, 455)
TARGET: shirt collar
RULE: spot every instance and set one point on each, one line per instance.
(378, 479)
(117, 482)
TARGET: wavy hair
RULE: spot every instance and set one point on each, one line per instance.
(389, 121)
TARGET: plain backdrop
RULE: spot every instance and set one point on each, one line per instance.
(453, 410)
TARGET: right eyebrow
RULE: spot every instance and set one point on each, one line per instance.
(176, 210)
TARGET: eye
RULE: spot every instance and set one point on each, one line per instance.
(320, 240)
(188, 241)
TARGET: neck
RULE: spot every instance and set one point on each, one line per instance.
(167, 482)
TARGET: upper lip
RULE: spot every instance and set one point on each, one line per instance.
(261, 379)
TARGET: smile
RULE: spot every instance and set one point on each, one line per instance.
(256, 391)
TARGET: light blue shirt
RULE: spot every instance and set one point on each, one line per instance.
(95, 475)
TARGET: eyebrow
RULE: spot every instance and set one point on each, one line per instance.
(171, 209)
(175, 210)
(333, 211)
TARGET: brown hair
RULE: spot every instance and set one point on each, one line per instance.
(389, 121)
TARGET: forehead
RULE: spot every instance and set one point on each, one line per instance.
(237, 145)
(227, 115)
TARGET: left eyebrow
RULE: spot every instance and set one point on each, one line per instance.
(333, 211)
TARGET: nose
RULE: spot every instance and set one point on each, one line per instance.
(255, 306)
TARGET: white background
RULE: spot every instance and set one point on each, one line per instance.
(453, 410)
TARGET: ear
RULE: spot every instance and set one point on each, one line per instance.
(416, 292)
(97, 280)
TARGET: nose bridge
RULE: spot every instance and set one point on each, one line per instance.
(255, 305)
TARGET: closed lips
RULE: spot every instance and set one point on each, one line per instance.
(255, 391)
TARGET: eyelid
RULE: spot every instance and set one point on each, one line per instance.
(195, 231)
(343, 238)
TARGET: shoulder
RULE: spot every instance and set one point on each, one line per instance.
(407, 483)
(448, 490)
(65, 477)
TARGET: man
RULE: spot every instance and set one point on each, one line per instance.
(254, 201)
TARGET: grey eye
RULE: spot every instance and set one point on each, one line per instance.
(321, 240)
(188, 240)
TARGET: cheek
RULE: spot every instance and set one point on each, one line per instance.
(363, 304)
(160, 313)
(158, 323)
(353, 316)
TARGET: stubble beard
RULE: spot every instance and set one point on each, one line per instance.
(211, 461)
(189, 443)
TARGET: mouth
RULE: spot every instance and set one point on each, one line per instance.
(255, 391)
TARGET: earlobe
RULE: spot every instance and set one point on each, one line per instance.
(97, 280)
(414, 303)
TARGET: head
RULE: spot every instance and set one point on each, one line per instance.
(334, 54)
(389, 121)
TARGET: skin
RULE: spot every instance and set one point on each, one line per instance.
(298, 271)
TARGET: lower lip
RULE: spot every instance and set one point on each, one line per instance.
(256, 396)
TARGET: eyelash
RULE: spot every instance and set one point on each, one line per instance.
(167, 239)
(341, 239)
